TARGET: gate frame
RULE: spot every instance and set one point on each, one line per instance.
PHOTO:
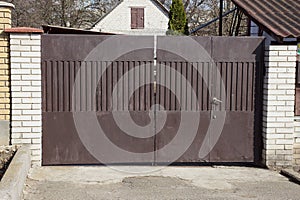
(60, 41)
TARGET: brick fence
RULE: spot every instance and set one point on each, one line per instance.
(26, 97)
(279, 103)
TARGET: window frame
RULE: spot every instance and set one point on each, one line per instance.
(139, 21)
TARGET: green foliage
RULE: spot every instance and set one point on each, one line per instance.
(178, 24)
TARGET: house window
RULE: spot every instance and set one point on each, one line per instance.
(137, 18)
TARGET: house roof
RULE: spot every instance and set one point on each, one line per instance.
(157, 2)
(49, 29)
(278, 17)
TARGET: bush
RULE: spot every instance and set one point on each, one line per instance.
(177, 23)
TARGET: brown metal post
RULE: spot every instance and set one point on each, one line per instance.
(221, 19)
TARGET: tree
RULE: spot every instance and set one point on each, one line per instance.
(178, 24)
(200, 12)
(70, 13)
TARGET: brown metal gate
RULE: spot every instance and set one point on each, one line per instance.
(225, 81)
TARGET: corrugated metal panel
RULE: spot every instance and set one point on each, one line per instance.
(238, 78)
(59, 78)
(281, 17)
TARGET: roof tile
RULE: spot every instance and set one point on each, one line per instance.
(281, 17)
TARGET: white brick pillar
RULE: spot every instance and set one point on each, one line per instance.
(279, 101)
(26, 89)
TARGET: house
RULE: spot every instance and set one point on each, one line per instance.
(135, 17)
(276, 20)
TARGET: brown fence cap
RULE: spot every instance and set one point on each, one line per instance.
(23, 30)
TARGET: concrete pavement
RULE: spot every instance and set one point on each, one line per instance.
(68, 183)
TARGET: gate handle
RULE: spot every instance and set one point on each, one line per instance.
(216, 101)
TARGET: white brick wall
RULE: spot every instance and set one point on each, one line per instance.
(25, 84)
(278, 112)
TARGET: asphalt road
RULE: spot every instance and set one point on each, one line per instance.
(72, 183)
